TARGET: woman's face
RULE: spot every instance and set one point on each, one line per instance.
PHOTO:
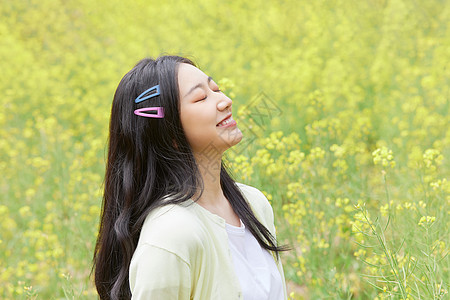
(205, 112)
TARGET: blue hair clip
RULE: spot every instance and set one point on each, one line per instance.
(144, 95)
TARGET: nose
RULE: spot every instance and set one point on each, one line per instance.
(224, 103)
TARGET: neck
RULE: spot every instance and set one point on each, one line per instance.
(212, 197)
(209, 166)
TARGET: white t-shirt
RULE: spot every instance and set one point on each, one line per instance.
(254, 266)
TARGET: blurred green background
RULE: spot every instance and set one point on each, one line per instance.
(353, 152)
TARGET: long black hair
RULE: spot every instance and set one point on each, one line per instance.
(148, 160)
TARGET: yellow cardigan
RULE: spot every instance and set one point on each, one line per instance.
(183, 252)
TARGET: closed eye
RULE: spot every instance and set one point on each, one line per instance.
(204, 98)
(216, 91)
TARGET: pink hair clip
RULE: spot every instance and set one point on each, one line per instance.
(159, 112)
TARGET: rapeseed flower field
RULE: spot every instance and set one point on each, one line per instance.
(344, 106)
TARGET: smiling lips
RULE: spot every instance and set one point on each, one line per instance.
(227, 122)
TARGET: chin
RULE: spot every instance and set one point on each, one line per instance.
(234, 139)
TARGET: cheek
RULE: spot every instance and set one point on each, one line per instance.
(197, 117)
(198, 125)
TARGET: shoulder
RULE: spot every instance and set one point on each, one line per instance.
(169, 243)
(258, 202)
(254, 196)
(155, 272)
(174, 228)
(250, 191)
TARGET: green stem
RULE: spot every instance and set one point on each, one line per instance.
(390, 259)
(387, 192)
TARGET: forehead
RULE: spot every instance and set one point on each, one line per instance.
(189, 76)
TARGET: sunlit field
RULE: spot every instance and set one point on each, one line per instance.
(344, 106)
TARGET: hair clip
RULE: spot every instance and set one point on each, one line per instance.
(142, 96)
(159, 112)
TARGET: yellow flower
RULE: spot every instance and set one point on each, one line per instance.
(384, 157)
(25, 211)
(426, 221)
(384, 210)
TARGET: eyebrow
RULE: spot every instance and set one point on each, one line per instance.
(198, 85)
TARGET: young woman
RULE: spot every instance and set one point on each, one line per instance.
(174, 224)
